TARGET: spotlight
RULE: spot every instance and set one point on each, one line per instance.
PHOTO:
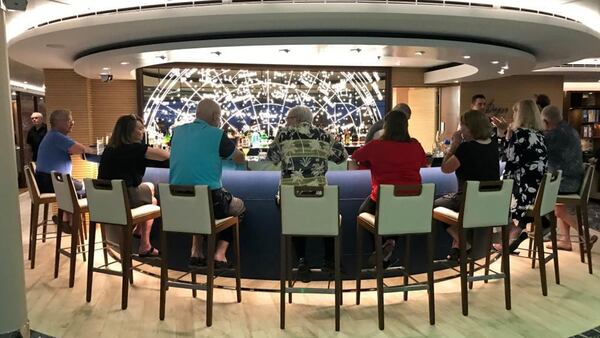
(420, 53)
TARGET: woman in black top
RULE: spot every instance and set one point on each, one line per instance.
(125, 158)
(473, 156)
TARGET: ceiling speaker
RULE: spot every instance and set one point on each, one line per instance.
(15, 5)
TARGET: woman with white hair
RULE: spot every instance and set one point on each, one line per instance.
(526, 162)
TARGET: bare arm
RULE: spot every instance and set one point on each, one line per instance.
(238, 156)
(157, 154)
(79, 148)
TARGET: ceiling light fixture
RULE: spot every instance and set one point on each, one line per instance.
(420, 53)
(25, 82)
(501, 72)
(505, 67)
(105, 68)
(467, 57)
(124, 63)
(495, 62)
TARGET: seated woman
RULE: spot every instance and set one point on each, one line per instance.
(473, 156)
(526, 162)
(125, 158)
(396, 159)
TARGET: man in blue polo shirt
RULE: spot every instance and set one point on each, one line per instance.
(197, 151)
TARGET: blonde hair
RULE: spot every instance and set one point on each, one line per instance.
(527, 115)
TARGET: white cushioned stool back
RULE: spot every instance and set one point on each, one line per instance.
(186, 208)
(405, 209)
(106, 201)
(64, 190)
(487, 203)
(310, 211)
(32, 187)
(551, 184)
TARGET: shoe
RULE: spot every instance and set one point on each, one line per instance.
(64, 226)
(197, 262)
(150, 253)
(387, 250)
(220, 265)
(453, 255)
(303, 271)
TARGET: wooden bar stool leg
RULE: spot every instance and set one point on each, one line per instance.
(359, 253)
(194, 293)
(90, 267)
(58, 242)
(406, 263)
(469, 259)
(163, 275)
(238, 266)
(463, 271)
(104, 243)
(580, 221)
(488, 253)
(539, 243)
(338, 281)
(586, 235)
(283, 277)
(506, 265)
(530, 250)
(289, 265)
(379, 275)
(45, 220)
(74, 246)
(554, 247)
(35, 208)
(535, 246)
(81, 239)
(125, 260)
(210, 264)
(430, 281)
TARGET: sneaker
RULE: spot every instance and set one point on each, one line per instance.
(64, 226)
(197, 262)
(303, 271)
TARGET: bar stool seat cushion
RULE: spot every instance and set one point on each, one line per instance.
(569, 198)
(445, 215)
(83, 203)
(367, 219)
(145, 211)
(223, 222)
(48, 196)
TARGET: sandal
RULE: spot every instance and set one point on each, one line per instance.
(152, 252)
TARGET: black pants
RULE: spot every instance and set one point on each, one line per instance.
(370, 206)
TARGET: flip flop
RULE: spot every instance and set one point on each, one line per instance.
(149, 253)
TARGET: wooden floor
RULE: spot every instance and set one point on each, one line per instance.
(54, 309)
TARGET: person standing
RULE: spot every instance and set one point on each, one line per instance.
(478, 102)
(36, 134)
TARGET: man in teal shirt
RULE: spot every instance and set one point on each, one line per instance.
(197, 151)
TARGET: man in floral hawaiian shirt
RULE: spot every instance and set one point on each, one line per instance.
(303, 151)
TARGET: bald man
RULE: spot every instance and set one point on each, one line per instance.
(36, 134)
(197, 151)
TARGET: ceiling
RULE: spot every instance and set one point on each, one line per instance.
(249, 33)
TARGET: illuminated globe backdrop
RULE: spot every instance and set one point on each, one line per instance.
(258, 100)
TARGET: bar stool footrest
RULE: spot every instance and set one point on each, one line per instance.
(484, 277)
(310, 290)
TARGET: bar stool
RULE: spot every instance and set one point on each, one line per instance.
(68, 202)
(189, 209)
(580, 202)
(109, 205)
(544, 206)
(309, 211)
(404, 211)
(37, 199)
(484, 204)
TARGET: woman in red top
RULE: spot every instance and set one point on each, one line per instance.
(394, 159)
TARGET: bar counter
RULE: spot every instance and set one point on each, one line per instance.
(261, 227)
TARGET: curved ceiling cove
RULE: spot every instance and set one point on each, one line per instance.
(488, 43)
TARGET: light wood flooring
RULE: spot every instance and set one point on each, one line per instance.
(54, 309)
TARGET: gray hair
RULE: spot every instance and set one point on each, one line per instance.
(552, 114)
(57, 115)
(301, 113)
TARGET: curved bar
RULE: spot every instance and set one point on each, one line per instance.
(260, 230)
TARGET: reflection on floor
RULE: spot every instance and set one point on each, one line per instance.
(569, 309)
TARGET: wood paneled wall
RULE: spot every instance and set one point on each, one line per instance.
(95, 106)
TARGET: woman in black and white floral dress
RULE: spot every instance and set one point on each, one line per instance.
(526, 159)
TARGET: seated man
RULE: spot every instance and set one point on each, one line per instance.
(303, 151)
(197, 150)
(564, 153)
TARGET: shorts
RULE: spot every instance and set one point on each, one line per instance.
(140, 195)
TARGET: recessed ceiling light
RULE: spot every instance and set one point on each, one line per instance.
(505, 67)
(25, 82)
(124, 63)
(467, 57)
(105, 68)
(419, 53)
(501, 72)
(455, 81)
(495, 62)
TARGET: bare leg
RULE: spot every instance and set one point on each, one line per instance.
(565, 220)
(197, 246)
(145, 229)
(453, 231)
(221, 251)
